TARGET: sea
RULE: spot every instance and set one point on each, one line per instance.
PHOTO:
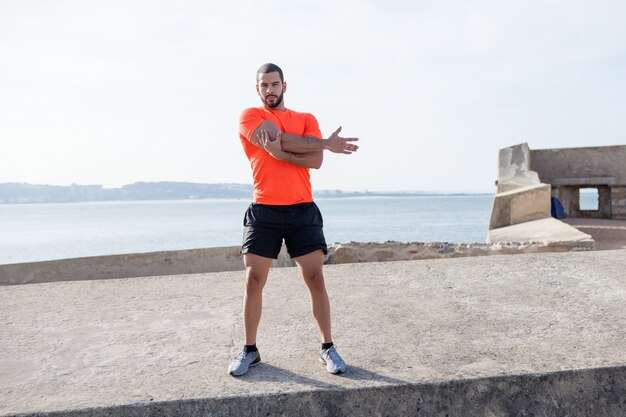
(38, 232)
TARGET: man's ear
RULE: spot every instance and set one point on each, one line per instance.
(284, 86)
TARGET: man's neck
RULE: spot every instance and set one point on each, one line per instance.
(279, 108)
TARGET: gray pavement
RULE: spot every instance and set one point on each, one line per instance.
(483, 335)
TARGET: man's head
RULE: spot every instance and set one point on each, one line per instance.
(270, 85)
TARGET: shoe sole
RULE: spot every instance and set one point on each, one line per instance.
(323, 362)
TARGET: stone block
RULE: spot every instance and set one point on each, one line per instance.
(520, 205)
(383, 255)
(514, 168)
(344, 255)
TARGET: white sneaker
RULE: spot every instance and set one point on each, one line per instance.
(334, 364)
(243, 361)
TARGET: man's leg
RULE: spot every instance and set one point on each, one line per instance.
(257, 270)
(311, 269)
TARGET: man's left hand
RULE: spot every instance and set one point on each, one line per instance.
(272, 147)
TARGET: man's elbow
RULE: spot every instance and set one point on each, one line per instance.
(317, 164)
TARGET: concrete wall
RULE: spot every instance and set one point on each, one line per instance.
(590, 392)
(520, 205)
(520, 195)
(618, 202)
(597, 164)
(570, 169)
(566, 170)
(123, 266)
(229, 259)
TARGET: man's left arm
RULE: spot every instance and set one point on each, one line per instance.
(274, 147)
(308, 143)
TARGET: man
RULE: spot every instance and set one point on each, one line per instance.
(282, 145)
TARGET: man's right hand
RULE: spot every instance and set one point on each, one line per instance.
(337, 144)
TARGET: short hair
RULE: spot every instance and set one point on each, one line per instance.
(269, 67)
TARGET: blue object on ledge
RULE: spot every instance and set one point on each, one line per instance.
(557, 208)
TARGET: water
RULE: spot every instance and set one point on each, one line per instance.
(407, 219)
(589, 199)
(35, 232)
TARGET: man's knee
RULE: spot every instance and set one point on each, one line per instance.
(257, 269)
(255, 281)
(314, 279)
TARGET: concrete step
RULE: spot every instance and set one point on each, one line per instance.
(548, 231)
(538, 334)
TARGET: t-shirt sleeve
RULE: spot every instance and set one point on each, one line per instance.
(249, 120)
(312, 128)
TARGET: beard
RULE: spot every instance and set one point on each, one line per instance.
(279, 100)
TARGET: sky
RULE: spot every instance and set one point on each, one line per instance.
(113, 92)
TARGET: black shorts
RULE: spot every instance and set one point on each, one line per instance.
(300, 225)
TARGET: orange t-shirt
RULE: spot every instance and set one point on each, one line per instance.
(277, 182)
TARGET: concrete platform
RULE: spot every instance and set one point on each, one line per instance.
(548, 230)
(608, 234)
(539, 334)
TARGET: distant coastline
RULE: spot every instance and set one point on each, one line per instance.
(23, 193)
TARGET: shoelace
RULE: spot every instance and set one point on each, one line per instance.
(242, 356)
(333, 355)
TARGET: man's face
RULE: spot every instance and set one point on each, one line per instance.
(271, 89)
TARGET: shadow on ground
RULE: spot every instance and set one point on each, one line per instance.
(271, 373)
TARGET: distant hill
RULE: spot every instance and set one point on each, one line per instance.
(28, 193)
(16, 193)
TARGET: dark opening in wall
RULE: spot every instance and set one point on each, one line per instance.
(589, 199)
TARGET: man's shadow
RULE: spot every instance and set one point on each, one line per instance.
(271, 373)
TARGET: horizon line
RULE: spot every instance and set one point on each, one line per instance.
(394, 191)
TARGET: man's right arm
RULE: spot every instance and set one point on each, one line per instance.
(305, 144)
(306, 160)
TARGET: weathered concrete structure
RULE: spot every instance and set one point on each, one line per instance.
(521, 207)
(514, 169)
(520, 196)
(569, 170)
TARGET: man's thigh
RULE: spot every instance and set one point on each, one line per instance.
(311, 264)
(259, 265)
